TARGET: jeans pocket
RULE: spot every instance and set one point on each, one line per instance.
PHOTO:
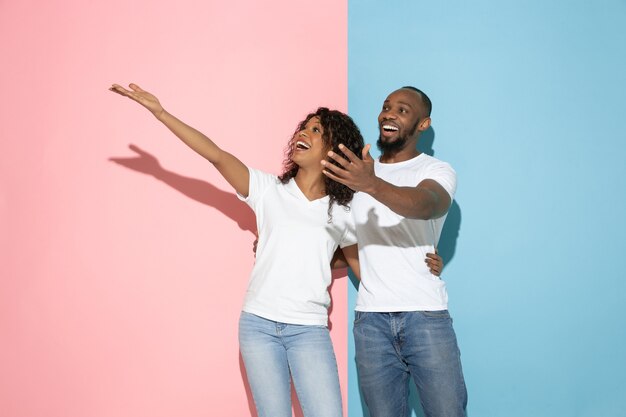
(359, 316)
(437, 314)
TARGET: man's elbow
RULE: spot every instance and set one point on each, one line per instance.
(428, 210)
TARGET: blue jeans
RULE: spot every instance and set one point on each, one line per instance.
(391, 347)
(274, 351)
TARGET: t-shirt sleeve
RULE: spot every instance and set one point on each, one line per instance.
(444, 174)
(259, 183)
(349, 235)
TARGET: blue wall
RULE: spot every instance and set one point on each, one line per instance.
(529, 107)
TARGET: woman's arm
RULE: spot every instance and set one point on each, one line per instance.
(231, 168)
(338, 261)
(351, 256)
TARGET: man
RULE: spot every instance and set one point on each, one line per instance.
(402, 327)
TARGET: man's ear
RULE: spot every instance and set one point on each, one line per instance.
(424, 124)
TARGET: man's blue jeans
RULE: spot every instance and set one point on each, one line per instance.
(391, 347)
(272, 351)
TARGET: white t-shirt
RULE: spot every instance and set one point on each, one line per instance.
(392, 248)
(291, 275)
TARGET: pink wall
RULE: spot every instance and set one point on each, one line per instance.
(121, 283)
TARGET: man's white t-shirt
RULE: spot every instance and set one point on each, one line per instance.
(291, 275)
(392, 248)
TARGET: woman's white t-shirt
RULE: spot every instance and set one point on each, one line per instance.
(291, 275)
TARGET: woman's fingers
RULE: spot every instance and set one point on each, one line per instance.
(116, 88)
(136, 88)
(434, 262)
(135, 94)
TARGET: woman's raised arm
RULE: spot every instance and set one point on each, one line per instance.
(231, 168)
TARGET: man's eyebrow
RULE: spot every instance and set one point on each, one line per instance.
(399, 102)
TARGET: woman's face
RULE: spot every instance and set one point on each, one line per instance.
(309, 147)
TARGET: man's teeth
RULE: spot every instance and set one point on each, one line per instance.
(302, 145)
(390, 128)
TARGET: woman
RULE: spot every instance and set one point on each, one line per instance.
(282, 329)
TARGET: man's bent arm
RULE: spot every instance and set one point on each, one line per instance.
(428, 200)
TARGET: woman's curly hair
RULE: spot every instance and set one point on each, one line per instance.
(337, 128)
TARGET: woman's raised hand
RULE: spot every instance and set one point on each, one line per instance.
(149, 101)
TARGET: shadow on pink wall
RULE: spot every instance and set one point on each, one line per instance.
(198, 190)
(225, 202)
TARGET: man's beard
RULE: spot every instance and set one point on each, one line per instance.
(398, 144)
(391, 147)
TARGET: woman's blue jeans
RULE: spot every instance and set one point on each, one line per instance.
(274, 352)
(391, 348)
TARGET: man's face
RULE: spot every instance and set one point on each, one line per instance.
(400, 119)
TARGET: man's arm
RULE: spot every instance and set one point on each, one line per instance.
(427, 200)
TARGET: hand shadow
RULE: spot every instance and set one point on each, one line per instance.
(198, 190)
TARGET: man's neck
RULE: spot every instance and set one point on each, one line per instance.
(399, 156)
(408, 151)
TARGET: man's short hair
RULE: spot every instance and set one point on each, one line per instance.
(428, 105)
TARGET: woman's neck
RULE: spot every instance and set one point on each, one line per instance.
(311, 183)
